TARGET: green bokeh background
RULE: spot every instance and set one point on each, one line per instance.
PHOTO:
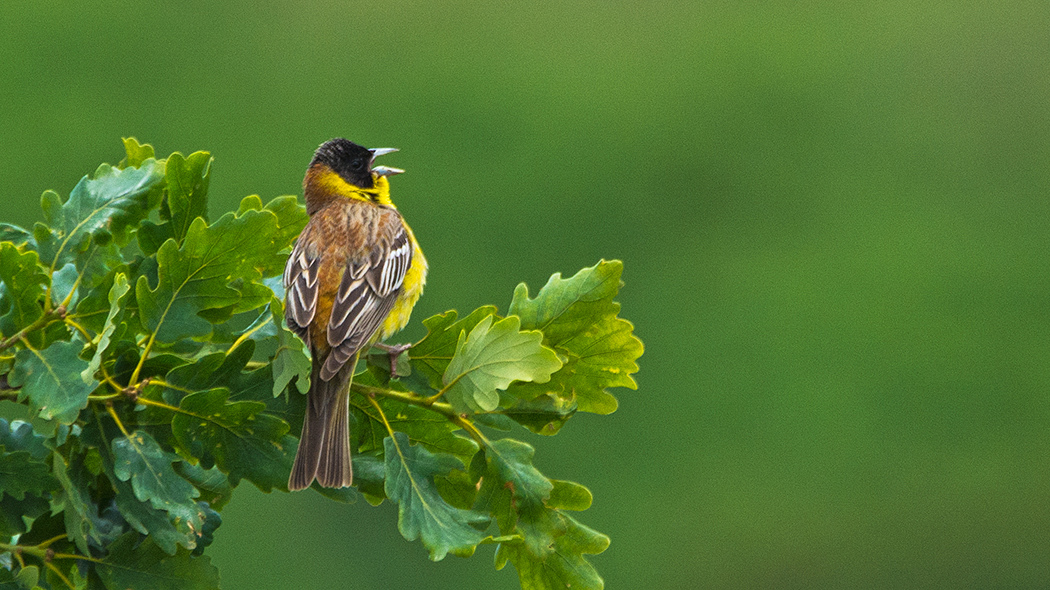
(833, 216)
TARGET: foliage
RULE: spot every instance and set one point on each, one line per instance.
(143, 345)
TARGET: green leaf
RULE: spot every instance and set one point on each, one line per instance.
(116, 293)
(79, 510)
(106, 207)
(166, 531)
(568, 495)
(13, 513)
(290, 361)
(20, 474)
(490, 358)
(188, 179)
(578, 316)
(564, 565)
(220, 370)
(19, 436)
(19, 236)
(432, 354)
(421, 426)
(138, 458)
(291, 219)
(214, 269)
(131, 564)
(512, 486)
(238, 437)
(213, 484)
(24, 282)
(136, 153)
(550, 553)
(28, 577)
(543, 414)
(63, 283)
(422, 513)
(51, 379)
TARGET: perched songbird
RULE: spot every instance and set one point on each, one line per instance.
(352, 279)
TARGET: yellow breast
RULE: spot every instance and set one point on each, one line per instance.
(412, 288)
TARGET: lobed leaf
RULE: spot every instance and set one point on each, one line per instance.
(138, 458)
(549, 553)
(434, 431)
(237, 437)
(79, 510)
(23, 282)
(290, 361)
(490, 358)
(20, 474)
(422, 512)
(116, 293)
(52, 380)
(101, 209)
(131, 564)
(215, 269)
(168, 531)
(579, 317)
(432, 354)
(563, 566)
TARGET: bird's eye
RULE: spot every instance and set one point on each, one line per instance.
(357, 164)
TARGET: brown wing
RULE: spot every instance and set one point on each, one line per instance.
(366, 295)
(300, 287)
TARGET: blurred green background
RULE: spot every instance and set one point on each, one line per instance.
(833, 216)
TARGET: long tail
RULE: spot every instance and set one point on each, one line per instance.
(324, 447)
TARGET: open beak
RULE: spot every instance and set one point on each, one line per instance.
(384, 170)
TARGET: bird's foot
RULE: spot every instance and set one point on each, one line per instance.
(393, 351)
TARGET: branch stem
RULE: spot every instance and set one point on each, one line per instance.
(409, 398)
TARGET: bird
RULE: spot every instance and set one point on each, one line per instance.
(351, 280)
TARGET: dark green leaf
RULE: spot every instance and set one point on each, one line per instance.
(238, 437)
(370, 477)
(421, 426)
(106, 207)
(543, 414)
(549, 554)
(490, 358)
(512, 488)
(212, 521)
(187, 198)
(144, 566)
(19, 236)
(81, 513)
(138, 458)
(214, 269)
(20, 474)
(51, 379)
(422, 512)
(291, 219)
(14, 512)
(19, 436)
(213, 484)
(167, 532)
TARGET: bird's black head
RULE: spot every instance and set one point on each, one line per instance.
(347, 159)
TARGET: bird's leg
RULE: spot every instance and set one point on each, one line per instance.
(393, 351)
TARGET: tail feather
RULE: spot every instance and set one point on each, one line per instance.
(324, 447)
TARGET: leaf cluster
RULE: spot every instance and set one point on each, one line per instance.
(145, 372)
